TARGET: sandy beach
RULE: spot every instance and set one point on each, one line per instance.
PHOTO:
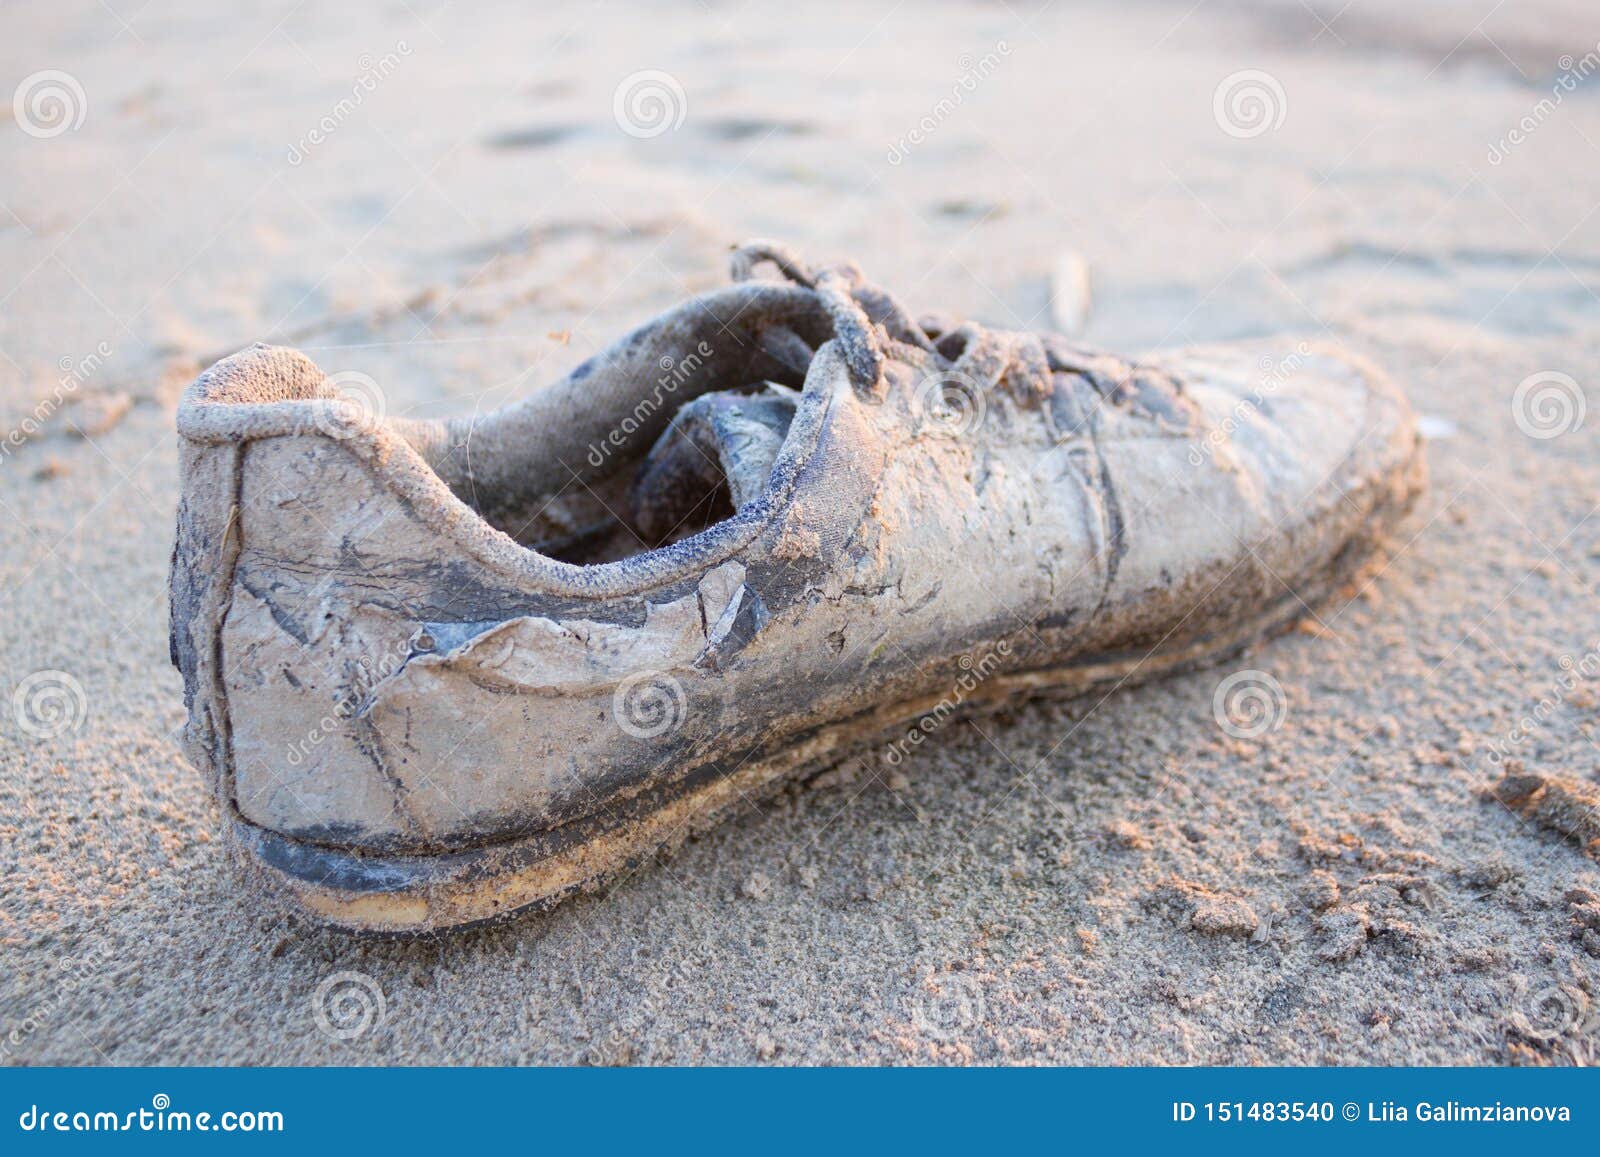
(461, 203)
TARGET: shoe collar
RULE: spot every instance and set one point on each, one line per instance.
(267, 391)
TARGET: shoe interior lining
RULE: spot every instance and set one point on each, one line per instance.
(560, 472)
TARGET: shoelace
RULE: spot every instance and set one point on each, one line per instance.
(870, 324)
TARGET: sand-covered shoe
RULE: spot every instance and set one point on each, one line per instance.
(441, 672)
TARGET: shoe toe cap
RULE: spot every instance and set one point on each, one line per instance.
(1299, 419)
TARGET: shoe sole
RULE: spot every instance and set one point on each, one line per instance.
(410, 895)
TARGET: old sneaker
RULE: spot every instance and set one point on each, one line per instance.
(441, 672)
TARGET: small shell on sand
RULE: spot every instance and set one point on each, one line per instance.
(1069, 294)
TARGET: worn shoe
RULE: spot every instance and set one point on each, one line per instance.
(442, 672)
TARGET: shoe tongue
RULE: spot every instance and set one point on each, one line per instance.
(718, 451)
